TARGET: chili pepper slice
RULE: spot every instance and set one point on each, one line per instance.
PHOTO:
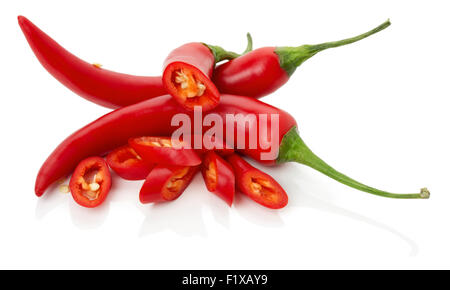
(257, 185)
(106, 88)
(90, 183)
(188, 70)
(128, 164)
(162, 150)
(166, 183)
(153, 117)
(264, 70)
(219, 177)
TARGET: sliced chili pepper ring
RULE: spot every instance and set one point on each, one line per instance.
(163, 150)
(219, 177)
(263, 189)
(166, 183)
(258, 185)
(126, 163)
(90, 182)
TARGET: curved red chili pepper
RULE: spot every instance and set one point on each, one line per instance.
(219, 177)
(91, 181)
(153, 117)
(264, 70)
(166, 183)
(161, 150)
(257, 185)
(103, 87)
(128, 164)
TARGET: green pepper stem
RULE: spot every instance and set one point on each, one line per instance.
(319, 47)
(249, 44)
(221, 54)
(292, 148)
(292, 57)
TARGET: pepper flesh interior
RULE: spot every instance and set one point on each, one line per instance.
(264, 188)
(161, 143)
(211, 174)
(90, 183)
(187, 85)
(176, 183)
(127, 156)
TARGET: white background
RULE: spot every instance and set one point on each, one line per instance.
(377, 110)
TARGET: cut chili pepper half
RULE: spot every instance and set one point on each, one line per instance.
(166, 183)
(162, 150)
(190, 87)
(128, 164)
(186, 76)
(219, 177)
(90, 182)
(258, 185)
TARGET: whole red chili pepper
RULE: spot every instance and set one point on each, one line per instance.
(264, 70)
(153, 117)
(187, 73)
(166, 183)
(103, 87)
(106, 88)
(90, 182)
(257, 185)
(219, 177)
(160, 150)
(128, 164)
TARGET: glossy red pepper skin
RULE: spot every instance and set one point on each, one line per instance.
(219, 177)
(126, 163)
(157, 184)
(255, 74)
(165, 155)
(106, 88)
(102, 178)
(268, 192)
(199, 60)
(151, 117)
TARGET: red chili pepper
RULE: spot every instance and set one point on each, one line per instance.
(161, 150)
(188, 70)
(90, 182)
(264, 70)
(153, 117)
(128, 164)
(166, 183)
(257, 185)
(219, 177)
(103, 87)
